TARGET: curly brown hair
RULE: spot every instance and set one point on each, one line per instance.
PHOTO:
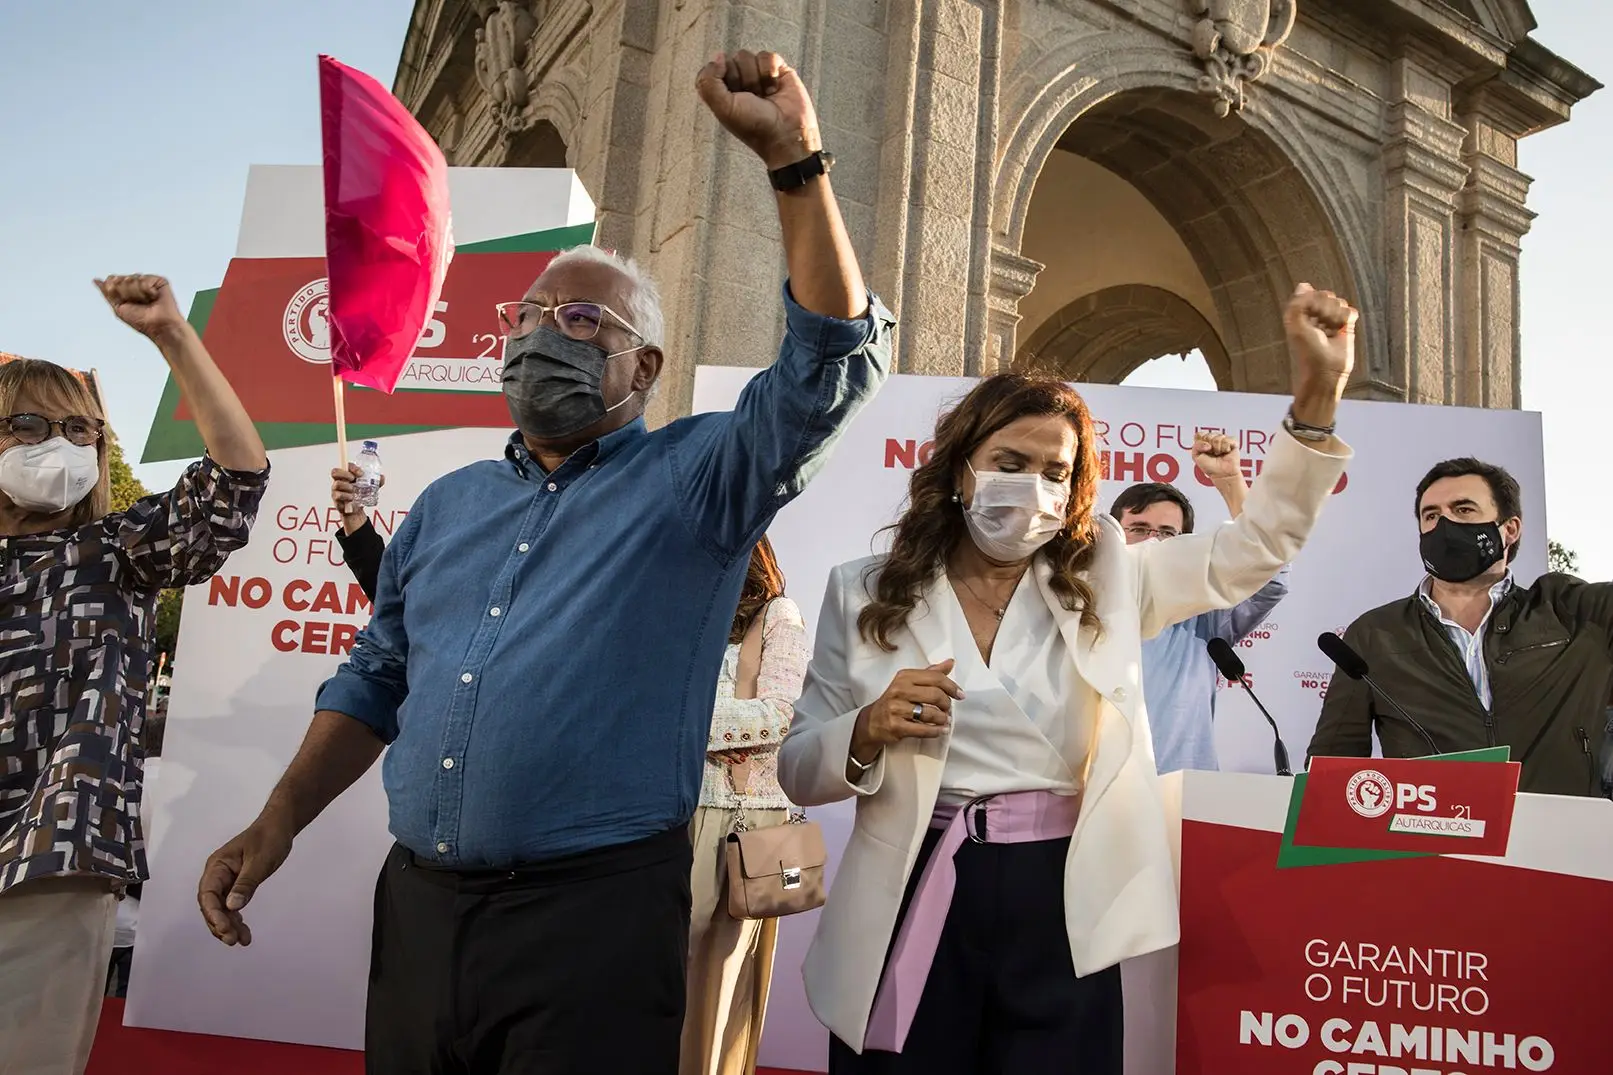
(764, 580)
(932, 525)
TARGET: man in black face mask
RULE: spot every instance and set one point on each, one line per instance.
(1477, 659)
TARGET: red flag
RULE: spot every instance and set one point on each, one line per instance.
(387, 234)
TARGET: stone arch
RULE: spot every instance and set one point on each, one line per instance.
(1250, 195)
(553, 120)
(1102, 337)
(539, 146)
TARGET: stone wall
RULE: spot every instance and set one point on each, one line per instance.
(1366, 145)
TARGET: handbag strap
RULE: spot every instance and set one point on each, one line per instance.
(797, 814)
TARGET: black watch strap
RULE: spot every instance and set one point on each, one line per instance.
(793, 176)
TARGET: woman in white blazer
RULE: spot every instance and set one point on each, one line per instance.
(977, 690)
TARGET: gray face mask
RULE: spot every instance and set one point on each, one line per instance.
(551, 383)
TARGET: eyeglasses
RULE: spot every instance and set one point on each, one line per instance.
(79, 429)
(1145, 532)
(579, 320)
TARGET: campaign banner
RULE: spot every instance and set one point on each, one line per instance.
(257, 640)
(1422, 805)
(1404, 965)
(267, 324)
(269, 327)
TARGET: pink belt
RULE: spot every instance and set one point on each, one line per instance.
(1019, 817)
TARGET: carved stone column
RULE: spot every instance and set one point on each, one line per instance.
(945, 268)
(1423, 173)
(1493, 222)
(1012, 278)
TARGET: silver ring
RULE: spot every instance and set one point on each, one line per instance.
(918, 711)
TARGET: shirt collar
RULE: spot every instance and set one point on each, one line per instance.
(516, 452)
(1425, 591)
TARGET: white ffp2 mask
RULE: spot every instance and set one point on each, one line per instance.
(1010, 516)
(49, 477)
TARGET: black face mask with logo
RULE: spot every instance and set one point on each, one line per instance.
(1461, 552)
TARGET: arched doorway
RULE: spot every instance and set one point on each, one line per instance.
(1105, 335)
(539, 146)
(1162, 229)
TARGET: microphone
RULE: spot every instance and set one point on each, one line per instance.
(1354, 665)
(1231, 667)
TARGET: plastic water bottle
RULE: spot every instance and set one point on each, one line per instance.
(368, 482)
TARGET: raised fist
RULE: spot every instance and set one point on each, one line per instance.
(144, 303)
(761, 101)
(1321, 335)
(1216, 454)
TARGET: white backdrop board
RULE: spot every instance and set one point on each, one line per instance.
(1363, 554)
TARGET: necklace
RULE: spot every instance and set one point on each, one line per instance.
(987, 605)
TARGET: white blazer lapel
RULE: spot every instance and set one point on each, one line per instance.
(1110, 741)
(929, 623)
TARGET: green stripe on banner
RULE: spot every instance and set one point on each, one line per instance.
(1290, 856)
(553, 239)
(172, 438)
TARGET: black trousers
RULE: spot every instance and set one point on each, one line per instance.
(562, 968)
(1002, 997)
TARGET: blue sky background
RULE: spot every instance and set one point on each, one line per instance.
(128, 130)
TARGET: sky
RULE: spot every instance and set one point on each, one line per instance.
(128, 131)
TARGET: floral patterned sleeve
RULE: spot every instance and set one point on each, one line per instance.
(182, 537)
(743, 725)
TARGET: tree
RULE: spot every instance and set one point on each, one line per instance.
(1561, 559)
(168, 606)
(126, 488)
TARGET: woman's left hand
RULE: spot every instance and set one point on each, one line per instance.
(144, 303)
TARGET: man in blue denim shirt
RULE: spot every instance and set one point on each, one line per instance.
(543, 655)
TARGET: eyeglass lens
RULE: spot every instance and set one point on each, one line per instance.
(579, 320)
(35, 429)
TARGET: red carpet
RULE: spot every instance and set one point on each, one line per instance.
(121, 1050)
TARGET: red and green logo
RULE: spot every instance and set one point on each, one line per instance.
(1364, 809)
(266, 327)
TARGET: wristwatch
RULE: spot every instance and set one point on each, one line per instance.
(1306, 432)
(794, 176)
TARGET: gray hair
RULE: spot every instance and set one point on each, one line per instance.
(643, 298)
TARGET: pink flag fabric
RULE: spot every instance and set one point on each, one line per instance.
(388, 239)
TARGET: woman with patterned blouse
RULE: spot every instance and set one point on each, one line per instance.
(731, 961)
(78, 601)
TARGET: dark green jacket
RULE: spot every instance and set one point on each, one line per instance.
(1547, 648)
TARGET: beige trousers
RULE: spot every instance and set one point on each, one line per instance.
(55, 946)
(730, 961)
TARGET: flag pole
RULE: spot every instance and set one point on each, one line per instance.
(341, 420)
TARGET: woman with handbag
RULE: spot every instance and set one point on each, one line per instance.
(731, 958)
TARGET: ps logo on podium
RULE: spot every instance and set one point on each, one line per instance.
(1370, 793)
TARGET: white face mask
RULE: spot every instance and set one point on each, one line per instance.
(1013, 515)
(49, 477)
